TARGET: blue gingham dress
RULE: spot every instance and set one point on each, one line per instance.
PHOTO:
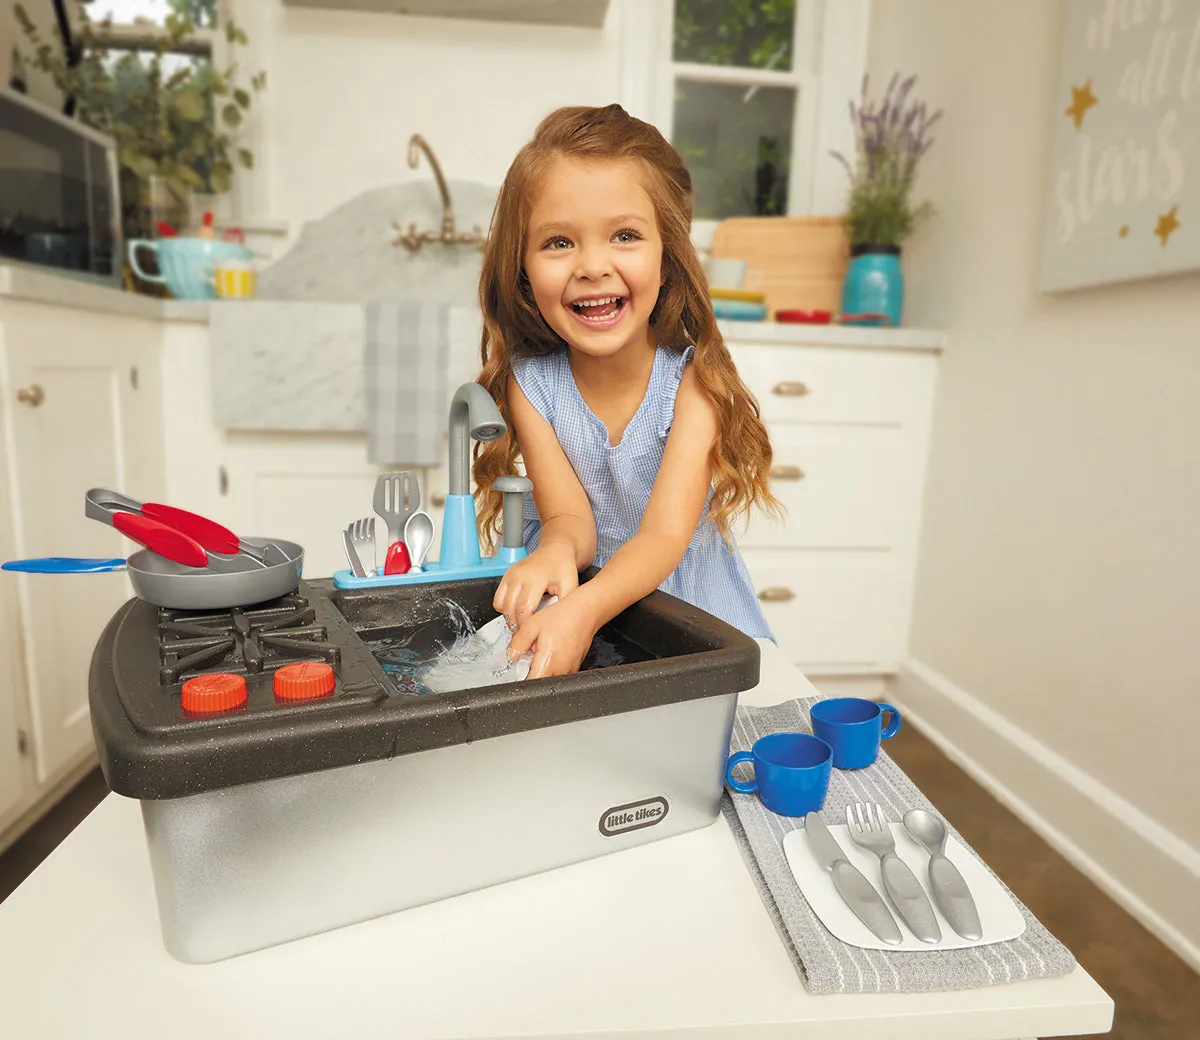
(618, 481)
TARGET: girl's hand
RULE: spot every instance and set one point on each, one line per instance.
(559, 636)
(548, 569)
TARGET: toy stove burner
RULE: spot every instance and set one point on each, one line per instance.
(241, 640)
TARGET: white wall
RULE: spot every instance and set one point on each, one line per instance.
(1059, 578)
(347, 89)
(40, 86)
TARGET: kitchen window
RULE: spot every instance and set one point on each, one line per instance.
(164, 78)
(752, 93)
(133, 31)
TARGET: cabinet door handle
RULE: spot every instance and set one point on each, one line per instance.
(31, 395)
(787, 473)
(438, 500)
(776, 594)
(789, 388)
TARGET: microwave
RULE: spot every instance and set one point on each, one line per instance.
(59, 192)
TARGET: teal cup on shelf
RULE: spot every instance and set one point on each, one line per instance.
(186, 264)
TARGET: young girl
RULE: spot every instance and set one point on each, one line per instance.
(601, 349)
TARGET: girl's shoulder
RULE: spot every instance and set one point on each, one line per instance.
(675, 363)
(540, 378)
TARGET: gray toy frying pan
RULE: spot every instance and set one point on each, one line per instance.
(165, 583)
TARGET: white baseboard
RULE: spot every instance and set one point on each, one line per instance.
(1142, 865)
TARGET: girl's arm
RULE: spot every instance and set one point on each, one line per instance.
(563, 632)
(568, 540)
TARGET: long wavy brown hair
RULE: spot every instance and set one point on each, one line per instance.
(513, 327)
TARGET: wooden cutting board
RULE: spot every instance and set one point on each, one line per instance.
(801, 261)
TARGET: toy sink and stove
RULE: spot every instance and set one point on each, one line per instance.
(321, 792)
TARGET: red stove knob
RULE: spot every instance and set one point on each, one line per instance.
(304, 681)
(219, 691)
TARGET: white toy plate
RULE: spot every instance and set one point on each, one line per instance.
(998, 914)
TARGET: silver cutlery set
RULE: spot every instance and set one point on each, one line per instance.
(409, 529)
(868, 827)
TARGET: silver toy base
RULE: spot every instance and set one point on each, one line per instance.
(252, 866)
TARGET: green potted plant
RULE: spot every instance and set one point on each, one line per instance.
(891, 136)
(174, 116)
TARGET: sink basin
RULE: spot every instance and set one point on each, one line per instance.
(672, 652)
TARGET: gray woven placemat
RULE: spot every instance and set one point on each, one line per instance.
(825, 963)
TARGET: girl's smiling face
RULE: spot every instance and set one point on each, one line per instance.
(593, 254)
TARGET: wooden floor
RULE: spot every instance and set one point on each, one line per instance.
(1157, 994)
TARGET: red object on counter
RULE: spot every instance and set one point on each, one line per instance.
(304, 681)
(805, 317)
(165, 230)
(397, 561)
(219, 691)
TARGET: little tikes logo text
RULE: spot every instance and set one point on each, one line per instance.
(633, 816)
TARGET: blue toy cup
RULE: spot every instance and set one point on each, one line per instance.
(186, 263)
(854, 728)
(791, 772)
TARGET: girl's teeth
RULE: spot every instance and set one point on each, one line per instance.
(596, 308)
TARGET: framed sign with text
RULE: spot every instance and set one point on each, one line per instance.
(1123, 198)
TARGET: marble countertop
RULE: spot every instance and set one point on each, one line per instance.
(869, 337)
(24, 281)
(29, 282)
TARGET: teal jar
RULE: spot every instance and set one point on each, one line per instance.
(874, 285)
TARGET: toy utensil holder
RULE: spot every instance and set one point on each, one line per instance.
(473, 414)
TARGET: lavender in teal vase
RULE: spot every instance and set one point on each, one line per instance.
(891, 136)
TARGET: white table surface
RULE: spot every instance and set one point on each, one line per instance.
(666, 940)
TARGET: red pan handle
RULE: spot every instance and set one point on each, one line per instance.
(157, 537)
(210, 534)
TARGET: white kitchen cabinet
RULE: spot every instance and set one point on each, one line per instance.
(839, 488)
(80, 409)
(15, 773)
(830, 610)
(848, 413)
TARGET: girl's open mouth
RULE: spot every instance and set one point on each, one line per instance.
(600, 313)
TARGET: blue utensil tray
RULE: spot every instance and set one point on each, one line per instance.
(490, 567)
(459, 558)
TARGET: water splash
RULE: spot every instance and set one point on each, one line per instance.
(451, 654)
(439, 656)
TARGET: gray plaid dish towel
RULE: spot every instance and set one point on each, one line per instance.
(404, 361)
(825, 963)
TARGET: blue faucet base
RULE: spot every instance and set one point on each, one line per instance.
(460, 535)
(489, 567)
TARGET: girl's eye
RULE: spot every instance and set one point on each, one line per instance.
(628, 235)
(557, 242)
